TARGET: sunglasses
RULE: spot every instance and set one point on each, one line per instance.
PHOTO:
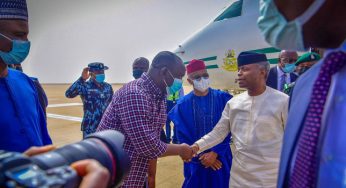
(288, 60)
(199, 77)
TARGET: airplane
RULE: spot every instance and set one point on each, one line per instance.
(220, 41)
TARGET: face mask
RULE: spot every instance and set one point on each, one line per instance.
(176, 86)
(137, 73)
(289, 68)
(100, 78)
(280, 33)
(202, 85)
(20, 49)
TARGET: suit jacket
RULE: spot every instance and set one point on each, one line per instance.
(327, 177)
(272, 80)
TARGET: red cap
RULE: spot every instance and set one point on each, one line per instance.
(195, 65)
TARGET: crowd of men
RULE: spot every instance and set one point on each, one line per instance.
(279, 140)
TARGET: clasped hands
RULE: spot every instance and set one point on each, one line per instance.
(207, 159)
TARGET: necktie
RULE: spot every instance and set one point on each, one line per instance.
(282, 82)
(305, 168)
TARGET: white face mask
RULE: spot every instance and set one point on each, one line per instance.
(202, 85)
(280, 33)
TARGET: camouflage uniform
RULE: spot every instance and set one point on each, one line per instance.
(95, 101)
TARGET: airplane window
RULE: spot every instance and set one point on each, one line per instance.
(232, 11)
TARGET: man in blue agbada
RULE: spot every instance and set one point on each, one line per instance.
(195, 115)
(22, 121)
(95, 93)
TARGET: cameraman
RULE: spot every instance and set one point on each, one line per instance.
(93, 173)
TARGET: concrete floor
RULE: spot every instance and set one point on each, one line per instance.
(169, 169)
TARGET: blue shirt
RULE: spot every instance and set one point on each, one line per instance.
(95, 98)
(22, 121)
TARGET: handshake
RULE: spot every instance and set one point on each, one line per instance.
(209, 160)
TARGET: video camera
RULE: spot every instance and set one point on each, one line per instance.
(52, 169)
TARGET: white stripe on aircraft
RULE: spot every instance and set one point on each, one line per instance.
(69, 118)
(64, 105)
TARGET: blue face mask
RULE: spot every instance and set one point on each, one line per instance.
(100, 78)
(137, 73)
(176, 86)
(289, 68)
(280, 33)
(20, 50)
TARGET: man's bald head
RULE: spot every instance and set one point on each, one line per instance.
(325, 29)
(167, 59)
(287, 57)
(141, 63)
(165, 67)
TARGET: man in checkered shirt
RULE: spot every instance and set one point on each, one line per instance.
(138, 110)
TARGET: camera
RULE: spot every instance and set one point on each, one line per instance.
(52, 169)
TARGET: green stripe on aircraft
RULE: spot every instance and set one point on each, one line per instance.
(266, 50)
(212, 66)
(273, 61)
(263, 50)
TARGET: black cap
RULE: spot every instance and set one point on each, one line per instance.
(246, 58)
(96, 66)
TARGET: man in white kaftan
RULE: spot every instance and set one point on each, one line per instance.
(256, 120)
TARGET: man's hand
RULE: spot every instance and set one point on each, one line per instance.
(38, 150)
(208, 159)
(85, 73)
(195, 149)
(217, 165)
(186, 152)
(93, 173)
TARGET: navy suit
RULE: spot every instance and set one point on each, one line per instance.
(330, 150)
(272, 80)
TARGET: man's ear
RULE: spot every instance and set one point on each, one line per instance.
(264, 73)
(163, 71)
(190, 81)
(5, 44)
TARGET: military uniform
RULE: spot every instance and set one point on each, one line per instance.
(307, 57)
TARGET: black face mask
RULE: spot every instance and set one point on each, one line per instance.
(19, 69)
(302, 70)
(137, 73)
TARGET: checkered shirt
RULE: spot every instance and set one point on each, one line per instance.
(138, 110)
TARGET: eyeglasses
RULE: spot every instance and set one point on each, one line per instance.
(199, 77)
(288, 60)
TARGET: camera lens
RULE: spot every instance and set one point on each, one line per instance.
(106, 147)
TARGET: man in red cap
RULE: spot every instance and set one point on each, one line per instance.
(195, 115)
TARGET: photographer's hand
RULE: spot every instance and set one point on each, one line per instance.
(93, 173)
(38, 150)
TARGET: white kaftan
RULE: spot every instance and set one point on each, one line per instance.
(257, 126)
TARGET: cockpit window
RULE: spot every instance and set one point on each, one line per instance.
(232, 11)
